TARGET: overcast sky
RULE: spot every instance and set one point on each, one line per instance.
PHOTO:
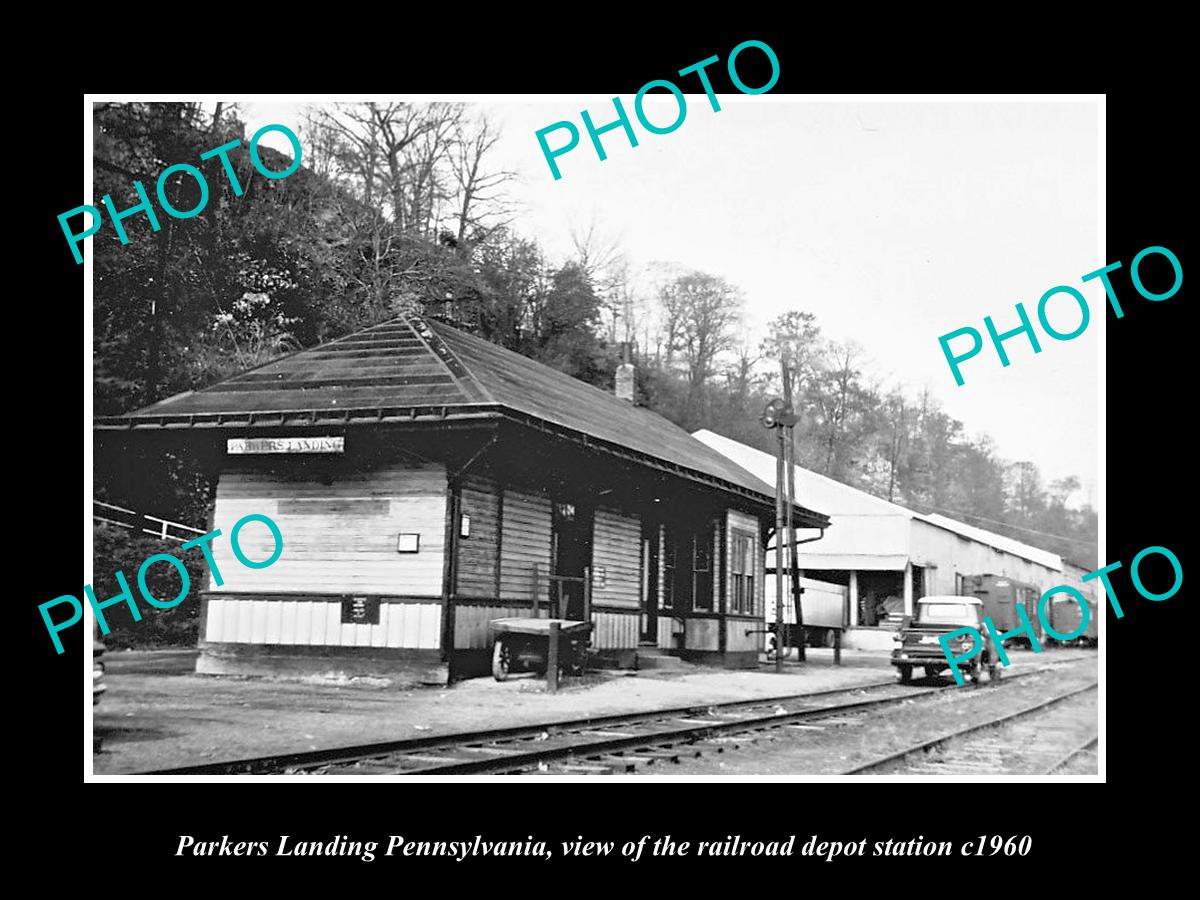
(894, 223)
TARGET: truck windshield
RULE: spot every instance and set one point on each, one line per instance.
(951, 613)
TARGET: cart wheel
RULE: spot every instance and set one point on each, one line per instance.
(993, 673)
(931, 671)
(501, 660)
(905, 674)
(578, 659)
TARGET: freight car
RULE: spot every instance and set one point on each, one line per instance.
(1000, 596)
(823, 605)
(1064, 613)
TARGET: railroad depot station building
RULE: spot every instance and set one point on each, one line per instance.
(426, 481)
(883, 556)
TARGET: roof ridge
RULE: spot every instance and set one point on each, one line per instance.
(634, 408)
(579, 381)
(447, 357)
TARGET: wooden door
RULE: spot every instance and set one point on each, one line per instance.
(571, 533)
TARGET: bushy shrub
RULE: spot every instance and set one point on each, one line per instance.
(120, 549)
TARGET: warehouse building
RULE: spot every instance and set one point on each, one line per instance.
(426, 482)
(887, 556)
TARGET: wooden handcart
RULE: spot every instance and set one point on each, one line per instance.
(524, 645)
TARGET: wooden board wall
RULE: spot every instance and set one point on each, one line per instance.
(617, 547)
(338, 537)
(479, 553)
(471, 623)
(524, 542)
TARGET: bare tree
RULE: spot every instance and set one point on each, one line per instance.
(703, 311)
(1062, 489)
(835, 397)
(600, 256)
(895, 412)
(795, 337)
(479, 203)
(740, 373)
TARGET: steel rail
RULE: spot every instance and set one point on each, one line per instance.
(1078, 751)
(313, 758)
(991, 723)
(518, 759)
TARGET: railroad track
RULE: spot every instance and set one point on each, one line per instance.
(596, 745)
(975, 750)
(1086, 747)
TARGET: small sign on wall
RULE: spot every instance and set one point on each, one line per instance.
(408, 543)
(286, 445)
(600, 577)
(360, 610)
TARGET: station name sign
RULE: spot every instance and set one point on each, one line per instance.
(286, 445)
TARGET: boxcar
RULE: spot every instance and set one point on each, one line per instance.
(1000, 596)
(1064, 614)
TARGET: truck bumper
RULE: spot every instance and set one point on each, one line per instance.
(909, 659)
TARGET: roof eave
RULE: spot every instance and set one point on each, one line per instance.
(295, 418)
(311, 418)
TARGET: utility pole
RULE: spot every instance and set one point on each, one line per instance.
(779, 529)
(793, 550)
(778, 415)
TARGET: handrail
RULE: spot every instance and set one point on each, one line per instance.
(161, 531)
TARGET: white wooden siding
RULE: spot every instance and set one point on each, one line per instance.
(319, 623)
(337, 538)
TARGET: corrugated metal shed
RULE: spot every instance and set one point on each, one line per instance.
(999, 541)
(872, 533)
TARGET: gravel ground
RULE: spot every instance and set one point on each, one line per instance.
(836, 748)
(156, 714)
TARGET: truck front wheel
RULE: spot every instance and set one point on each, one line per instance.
(501, 660)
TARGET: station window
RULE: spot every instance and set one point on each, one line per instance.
(742, 568)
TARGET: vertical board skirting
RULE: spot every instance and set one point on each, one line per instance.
(319, 623)
(667, 628)
(614, 631)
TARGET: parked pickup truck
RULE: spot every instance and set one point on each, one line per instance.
(919, 645)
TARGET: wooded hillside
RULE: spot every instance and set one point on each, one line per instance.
(398, 206)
